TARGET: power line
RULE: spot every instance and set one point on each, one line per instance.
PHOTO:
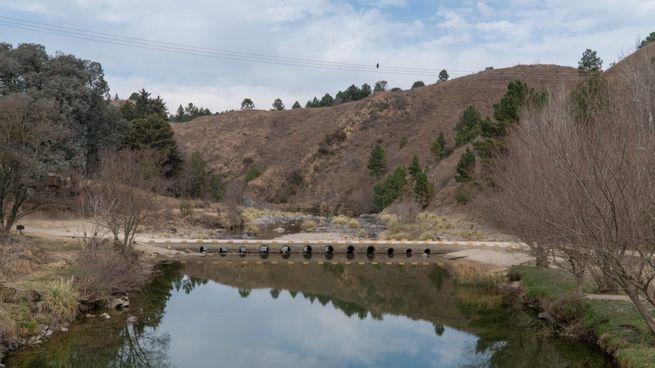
(205, 51)
(170, 47)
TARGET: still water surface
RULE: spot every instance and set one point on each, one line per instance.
(214, 314)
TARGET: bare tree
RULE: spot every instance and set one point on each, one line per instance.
(121, 193)
(31, 155)
(587, 189)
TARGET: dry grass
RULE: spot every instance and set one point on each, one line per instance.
(16, 261)
(60, 300)
(8, 328)
(465, 274)
(340, 220)
(281, 141)
(308, 225)
(431, 226)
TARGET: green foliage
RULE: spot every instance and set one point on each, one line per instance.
(313, 103)
(186, 210)
(140, 105)
(376, 161)
(326, 100)
(443, 76)
(79, 92)
(247, 104)
(403, 142)
(390, 188)
(189, 113)
(463, 193)
(465, 167)
(253, 173)
(216, 187)
(506, 113)
(278, 104)
(380, 86)
(468, 126)
(590, 62)
(650, 38)
(353, 93)
(418, 84)
(423, 190)
(154, 133)
(296, 105)
(589, 95)
(438, 147)
(414, 167)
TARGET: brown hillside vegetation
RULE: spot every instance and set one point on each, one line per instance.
(280, 143)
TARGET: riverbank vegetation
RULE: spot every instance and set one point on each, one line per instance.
(615, 325)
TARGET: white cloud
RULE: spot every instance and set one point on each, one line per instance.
(466, 37)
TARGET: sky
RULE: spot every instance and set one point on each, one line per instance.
(420, 36)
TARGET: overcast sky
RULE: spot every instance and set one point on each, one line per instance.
(460, 36)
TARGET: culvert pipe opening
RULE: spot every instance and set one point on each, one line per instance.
(329, 249)
(408, 252)
(350, 250)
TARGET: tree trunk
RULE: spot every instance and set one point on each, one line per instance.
(643, 310)
(541, 255)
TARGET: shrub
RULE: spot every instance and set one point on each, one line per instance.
(186, 210)
(308, 225)
(60, 300)
(390, 188)
(465, 166)
(253, 173)
(403, 142)
(468, 126)
(361, 233)
(340, 220)
(104, 273)
(463, 194)
(353, 223)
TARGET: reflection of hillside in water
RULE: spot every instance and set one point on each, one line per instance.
(505, 337)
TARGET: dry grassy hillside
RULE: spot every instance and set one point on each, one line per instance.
(281, 142)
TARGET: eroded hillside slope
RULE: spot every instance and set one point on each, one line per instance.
(309, 156)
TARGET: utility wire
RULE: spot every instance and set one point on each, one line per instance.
(204, 51)
(176, 48)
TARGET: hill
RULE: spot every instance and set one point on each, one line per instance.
(309, 156)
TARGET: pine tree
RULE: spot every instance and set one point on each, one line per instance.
(180, 116)
(439, 146)
(414, 167)
(590, 62)
(390, 188)
(296, 105)
(443, 76)
(647, 40)
(376, 162)
(278, 104)
(153, 132)
(465, 167)
(418, 84)
(468, 126)
(422, 188)
(247, 104)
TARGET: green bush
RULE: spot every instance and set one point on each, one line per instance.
(390, 188)
(463, 194)
(253, 173)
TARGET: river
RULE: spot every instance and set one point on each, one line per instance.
(214, 314)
